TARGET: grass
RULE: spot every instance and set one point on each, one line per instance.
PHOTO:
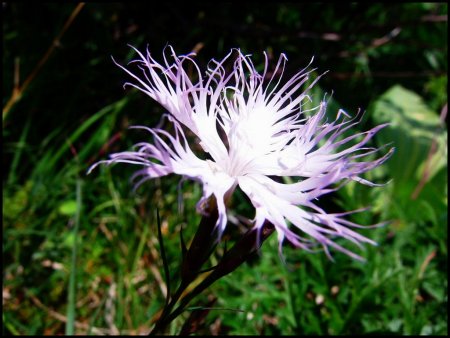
(81, 252)
(119, 286)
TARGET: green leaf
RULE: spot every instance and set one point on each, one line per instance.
(68, 208)
(416, 171)
(413, 128)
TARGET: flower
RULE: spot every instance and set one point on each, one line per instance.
(253, 130)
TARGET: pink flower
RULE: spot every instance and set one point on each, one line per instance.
(252, 128)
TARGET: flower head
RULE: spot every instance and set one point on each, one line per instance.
(253, 129)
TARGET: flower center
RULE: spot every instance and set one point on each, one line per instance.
(250, 136)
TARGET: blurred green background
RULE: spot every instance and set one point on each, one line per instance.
(80, 253)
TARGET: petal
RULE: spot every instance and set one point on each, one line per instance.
(193, 104)
(278, 204)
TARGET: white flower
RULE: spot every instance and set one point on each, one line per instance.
(253, 129)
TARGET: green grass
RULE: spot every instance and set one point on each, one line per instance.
(81, 252)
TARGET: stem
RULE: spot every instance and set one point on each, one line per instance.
(241, 251)
(198, 253)
(162, 322)
(200, 248)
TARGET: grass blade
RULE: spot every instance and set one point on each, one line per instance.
(163, 256)
(18, 153)
(70, 325)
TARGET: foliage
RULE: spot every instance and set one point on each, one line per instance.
(390, 59)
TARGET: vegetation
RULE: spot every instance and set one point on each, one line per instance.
(81, 253)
